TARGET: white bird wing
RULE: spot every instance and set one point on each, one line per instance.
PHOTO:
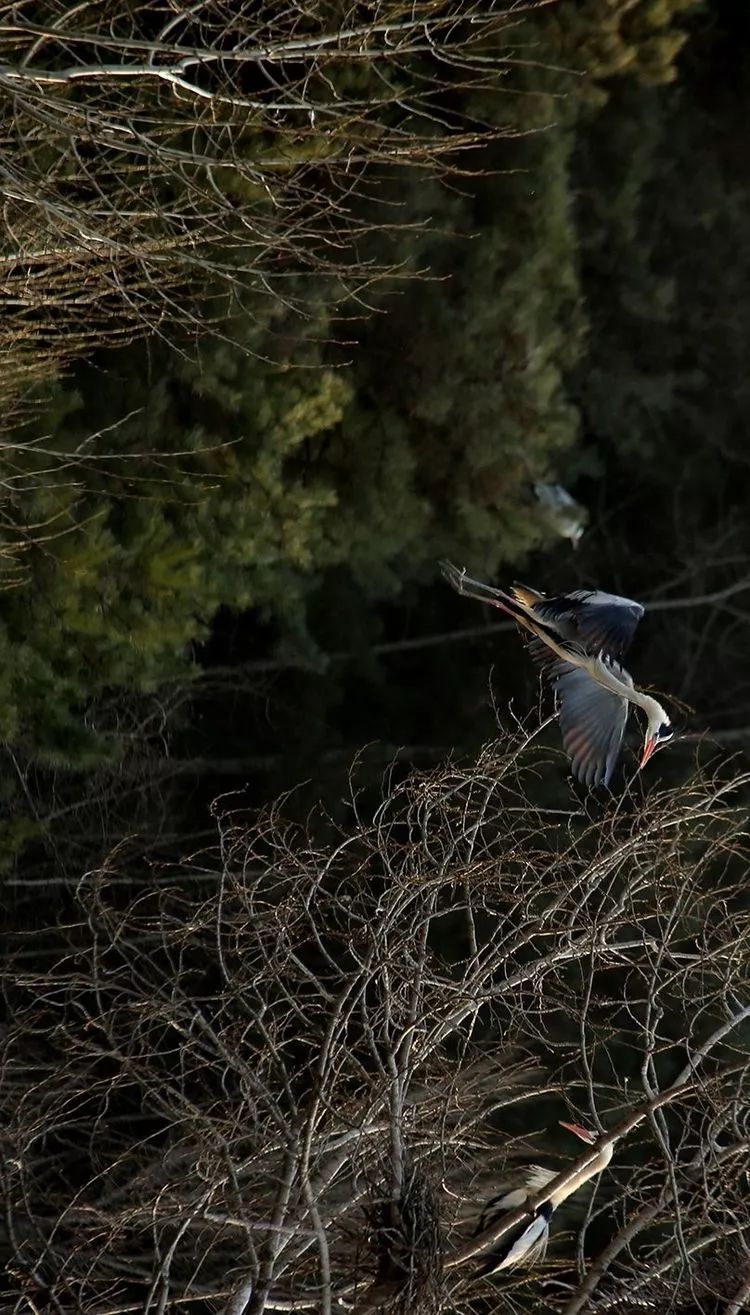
(537, 1177)
(529, 1245)
(512, 1195)
(501, 1204)
(554, 496)
(592, 721)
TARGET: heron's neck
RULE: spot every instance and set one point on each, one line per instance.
(653, 709)
(590, 1169)
(606, 676)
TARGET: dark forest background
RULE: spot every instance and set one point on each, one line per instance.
(227, 478)
(220, 551)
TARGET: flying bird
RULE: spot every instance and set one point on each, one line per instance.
(527, 1243)
(577, 641)
(564, 514)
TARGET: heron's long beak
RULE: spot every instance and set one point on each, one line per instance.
(576, 1128)
(648, 749)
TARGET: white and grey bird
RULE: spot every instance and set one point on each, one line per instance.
(577, 641)
(527, 1242)
(564, 514)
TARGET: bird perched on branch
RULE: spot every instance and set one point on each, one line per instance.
(577, 641)
(527, 1242)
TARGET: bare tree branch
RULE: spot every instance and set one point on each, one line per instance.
(293, 1086)
(153, 159)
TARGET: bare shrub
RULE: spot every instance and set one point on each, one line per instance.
(290, 1082)
(156, 157)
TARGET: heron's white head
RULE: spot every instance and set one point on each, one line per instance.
(658, 732)
(591, 1167)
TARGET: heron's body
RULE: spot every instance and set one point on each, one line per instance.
(577, 640)
(527, 1242)
(515, 1194)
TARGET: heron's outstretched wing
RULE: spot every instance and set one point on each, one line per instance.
(597, 620)
(592, 722)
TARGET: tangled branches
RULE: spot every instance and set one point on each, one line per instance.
(294, 1090)
(158, 155)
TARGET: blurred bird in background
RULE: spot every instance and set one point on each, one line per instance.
(563, 513)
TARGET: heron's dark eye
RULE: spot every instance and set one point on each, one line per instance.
(665, 732)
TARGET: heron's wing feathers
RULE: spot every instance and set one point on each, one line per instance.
(599, 621)
(531, 1245)
(543, 657)
(510, 1199)
(538, 1176)
(534, 1178)
(592, 722)
(525, 1245)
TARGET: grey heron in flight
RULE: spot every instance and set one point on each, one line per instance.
(527, 1243)
(577, 641)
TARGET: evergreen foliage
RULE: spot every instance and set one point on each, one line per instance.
(264, 468)
(663, 203)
